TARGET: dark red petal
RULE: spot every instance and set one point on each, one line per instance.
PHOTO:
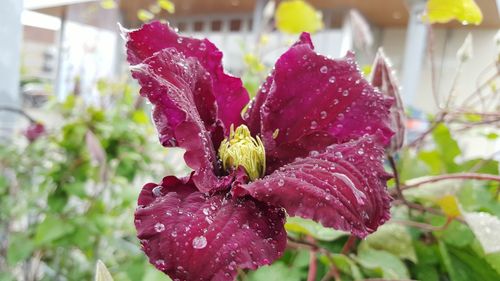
(172, 84)
(191, 236)
(343, 187)
(384, 79)
(229, 93)
(252, 116)
(34, 131)
(315, 101)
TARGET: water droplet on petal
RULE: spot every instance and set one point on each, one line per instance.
(332, 79)
(323, 114)
(199, 242)
(281, 182)
(313, 153)
(324, 69)
(314, 125)
(159, 227)
(157, 191)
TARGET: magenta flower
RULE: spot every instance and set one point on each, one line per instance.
(311, 144)
(34, 131)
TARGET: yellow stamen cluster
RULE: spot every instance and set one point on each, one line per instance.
(241, 149)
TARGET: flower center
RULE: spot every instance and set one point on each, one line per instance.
(241, 149)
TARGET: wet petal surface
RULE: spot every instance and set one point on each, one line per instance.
(343, 187)
(228, 91)
(190, 236)
(172, 83)
(310, 101)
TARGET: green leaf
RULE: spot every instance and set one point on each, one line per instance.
(20, 248)
(445, 144)
(384, 263)
(76, 188)
(411, 166)
(434, 161)
(278, 271)
(469, 266)
(446, 260)
(4, 184)
(50, 229)
(427, 253)
(471, 117)
(140, 117)
(426, 272)
(312, 228)
(6, 276)
(154, 274)
(296, 16)
(400, 241)
(456, 234)
(345, 265)
(464, 11)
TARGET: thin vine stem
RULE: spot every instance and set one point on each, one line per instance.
(471, 176)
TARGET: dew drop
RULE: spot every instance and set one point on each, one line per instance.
(324, 69)
(361, 151)
(199, 242)
(157, 191)
(314, 125)
(202, 46)
(159, 227)
(332, 79)
(323, 114)
(313, 153)
(345, 93)
(281, 182)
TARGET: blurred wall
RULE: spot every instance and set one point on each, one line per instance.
(10, 43)
(446, 44)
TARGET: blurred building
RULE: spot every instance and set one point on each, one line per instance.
(79, 40)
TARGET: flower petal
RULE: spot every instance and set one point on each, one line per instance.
(312, 101)
(191, 236)
(171, 82)
(230, 95)
(34, 131)
(343, 187)
(384, 79)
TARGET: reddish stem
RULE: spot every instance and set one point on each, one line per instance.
(313, 266)
(471, 176)
(351, 241)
